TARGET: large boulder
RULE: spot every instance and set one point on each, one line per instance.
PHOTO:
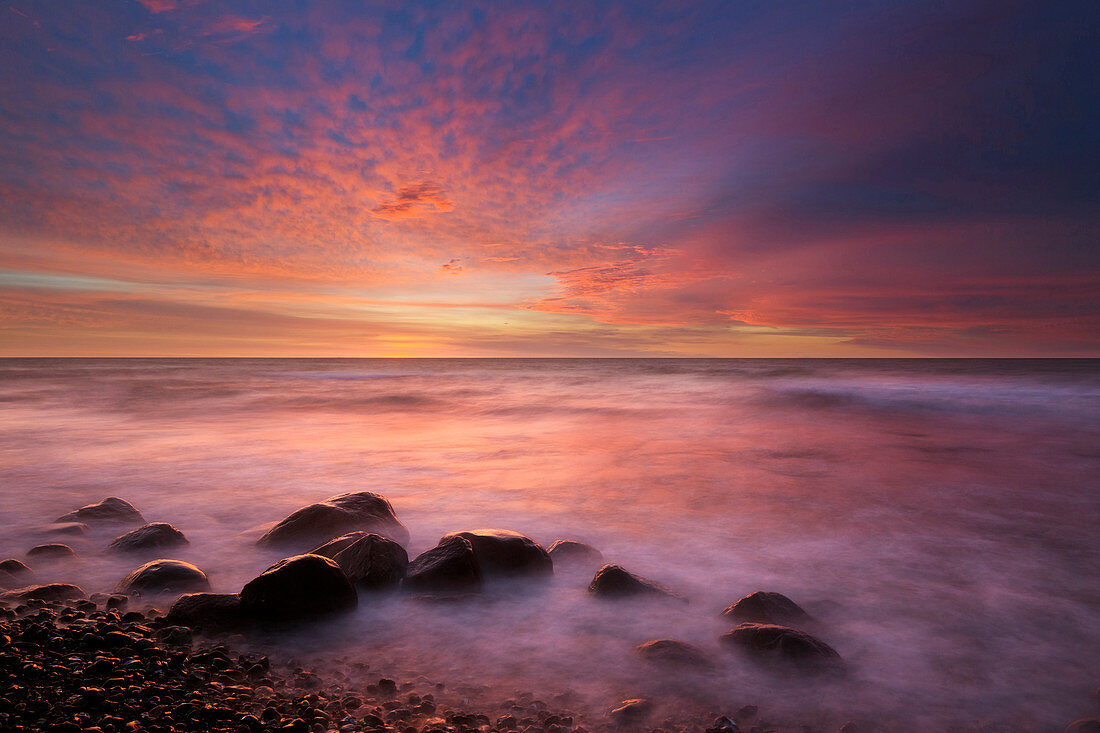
(153, 536)
(612, 581)
(52, 551)
(50, 592)
(373, 562)
(449, 567)
(673, 653)
(206, 612)
(572, 552)
(298, 588)
(772, 641)
(111, 510)
(504, 553)
(333, 547)
(164, 577)
(763, 607)
(317, 523)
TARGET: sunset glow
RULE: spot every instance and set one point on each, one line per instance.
(184, 178)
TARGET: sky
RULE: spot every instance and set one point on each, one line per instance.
(731, 179)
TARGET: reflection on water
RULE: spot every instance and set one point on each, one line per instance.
(940, 514)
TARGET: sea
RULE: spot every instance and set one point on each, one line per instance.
(939, 518)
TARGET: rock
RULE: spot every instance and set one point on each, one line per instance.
(671, 652)
(612, 581)
(153, 536)
(450, 566)
(111, 510)
(1084, 725)
(299, 587)
(49, 592)
(373, 562)
(14, 567)
(723, 724)
(164, 576)
(630, 712)
(503, 553)
(331, 548)
(51, 552)
(317, 523)
(767, 608)
(572, 552)
(780, 642)
(66, 529)
(7, 580)
(207, 612)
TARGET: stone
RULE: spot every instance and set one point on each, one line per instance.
(771, 641)
(331, 548)
(612, 581)
(318, 523)
(111, 510)
(298, 588)
(153, 536)
(504, 553)
(629, 712)
(572, 552)
(210, 612)
(14, 567)
(48, 592)
(373, 562)
(1084, 725)
(767, 608)
(53, 551)
(451, 566)
(65, 529)
(670, 652)
(164, 577)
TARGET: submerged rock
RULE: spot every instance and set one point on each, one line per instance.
(612, 581)
(671, 652)
(65, 529)
(450, 567)
(780, 642)
(299, 587)
(207, 612)
(111, 510)
(763, 607)
(373, 562)
(14, 567)
(53, 551)
(318, 523)
(629, 712)
(572, 552)
(1084, 725)
(164, 576)
(49, 592)
(504, 553)
(153, 536)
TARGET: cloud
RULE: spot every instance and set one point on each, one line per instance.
(451, 266)
(414, 200)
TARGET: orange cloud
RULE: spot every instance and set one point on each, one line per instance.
(413, 200)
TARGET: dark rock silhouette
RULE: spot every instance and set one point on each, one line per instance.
(210, 612)
(612, 581)
(331, 548)
(373, 562)
(49, 592)
(504, 553)
(153, 536)
(673, 653)
(164, 576)
(771, 641)
(449, 567)
(318, 523)
(53, 551)
(1084, 725)
(111, 510)
(572, 552)
(631, 712)
(14, 567)
(767, 608)
(298, 588)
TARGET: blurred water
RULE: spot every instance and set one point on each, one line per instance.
(946, 510)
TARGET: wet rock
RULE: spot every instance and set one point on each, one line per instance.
(723, 725)
(631, 712)
(318, 523)
(504, 553)
(1084, 725)
(299, 587)
(670, 652)
(612, 581)
(450, 566)
(572, 552)
(767, 608)
(15, 567)
(111, 510)
(333, 547)
(373, 562)
(153, 536)
(48, 592)
(65, 529)
(771, 641)
(164, 577)
(210, 612)
(53, 551)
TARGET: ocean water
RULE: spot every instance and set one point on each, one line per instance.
(939, 518)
